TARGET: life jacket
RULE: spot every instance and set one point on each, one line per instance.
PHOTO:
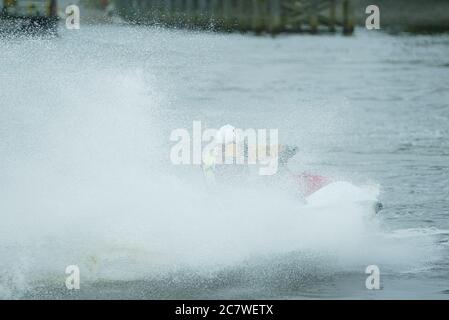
(310, 183)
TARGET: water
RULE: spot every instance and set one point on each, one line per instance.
(85, 175)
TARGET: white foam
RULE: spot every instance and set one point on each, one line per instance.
(85, 180)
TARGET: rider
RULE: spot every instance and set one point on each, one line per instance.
(224, 143)
(228, 142)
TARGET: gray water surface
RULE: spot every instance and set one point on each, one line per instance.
(85, 176)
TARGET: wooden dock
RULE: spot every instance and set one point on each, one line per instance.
(257, 16)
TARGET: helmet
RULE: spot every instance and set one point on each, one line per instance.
(225, 134)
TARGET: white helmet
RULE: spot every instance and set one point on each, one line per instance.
(225, 134)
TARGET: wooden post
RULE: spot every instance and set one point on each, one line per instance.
(332, 16)
(168, 12)
(257, 18)
(313, 18)
(203, 13)
(178, 9)
(227, 14)
(275, 16)
(296, 22)
(348, 20)
(157, 11)
(242, 16)
(189, 13)
(217, 13)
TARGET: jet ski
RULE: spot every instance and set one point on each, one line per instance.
(321, 191)
(315, 190)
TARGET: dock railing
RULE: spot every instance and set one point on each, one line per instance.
(258, 16)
